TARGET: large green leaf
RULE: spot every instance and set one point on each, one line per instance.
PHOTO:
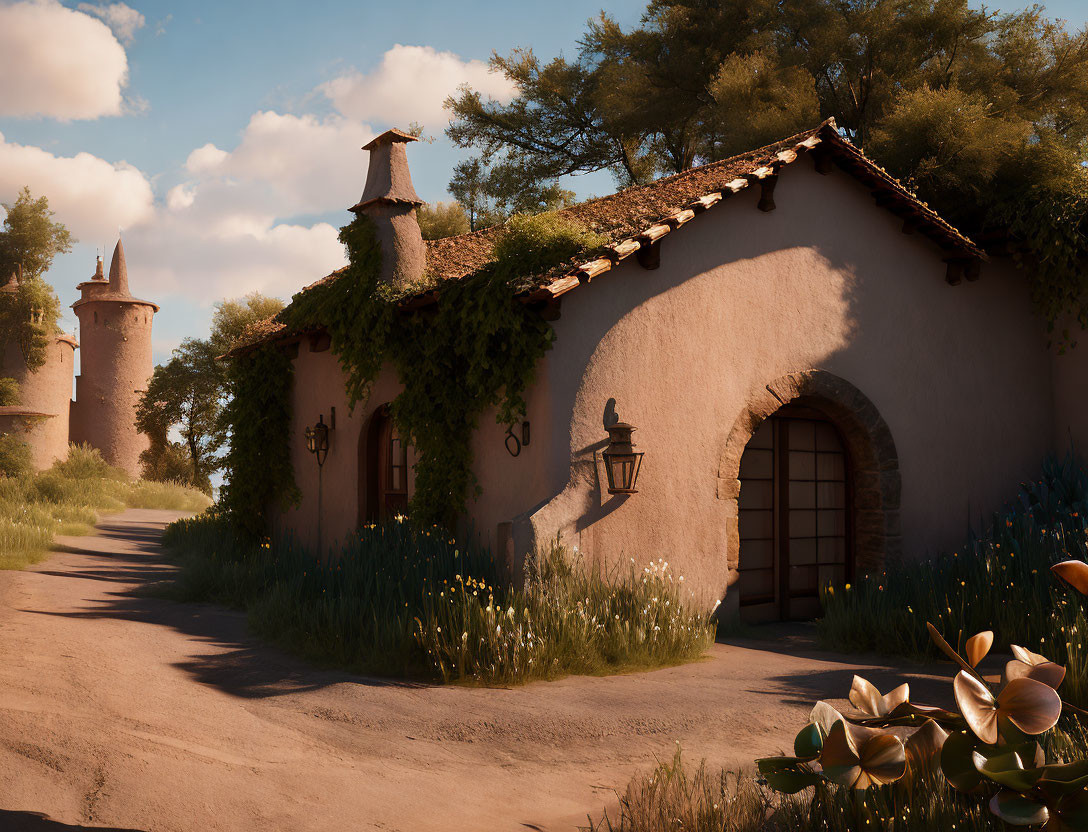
(792, 780)
(1007, 770)
(957, 761)
(1017, 810)
(1064, 778)
(809, 741)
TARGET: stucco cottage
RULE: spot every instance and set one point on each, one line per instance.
(823, 376)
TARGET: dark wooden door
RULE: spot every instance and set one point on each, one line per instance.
(793, 515)
(384, 459)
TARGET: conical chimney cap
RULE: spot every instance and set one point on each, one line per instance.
(118, 271)
(388, 178)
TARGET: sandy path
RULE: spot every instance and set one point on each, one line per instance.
(125, 711)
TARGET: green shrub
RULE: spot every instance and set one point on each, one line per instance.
(533, 244)
(15, 457)
(84, 462)
(407, 601)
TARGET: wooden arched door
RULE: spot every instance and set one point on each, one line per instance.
(384, 461)
(794, 516)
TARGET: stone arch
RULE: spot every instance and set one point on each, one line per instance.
(875, 463)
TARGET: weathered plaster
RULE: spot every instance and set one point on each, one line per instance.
(954, 382)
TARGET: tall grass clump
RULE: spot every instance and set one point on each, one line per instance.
(67, 498)
(675, 796)
(400, 600)
(1000, 580)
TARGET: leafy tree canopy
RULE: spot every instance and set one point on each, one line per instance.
(31, 239)
(984, 113)
(186, 397)
(443, 219)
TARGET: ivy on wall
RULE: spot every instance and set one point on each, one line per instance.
(478, 347)
(258, 463)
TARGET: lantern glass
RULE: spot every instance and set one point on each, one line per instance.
(622, 471)
(317, 440)
(621, 461)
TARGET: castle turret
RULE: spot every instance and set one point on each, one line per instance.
(391, 202)
(40, 415)
(115, 364)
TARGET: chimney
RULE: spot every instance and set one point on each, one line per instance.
(98, 275)
(390, 201)
(118, 271)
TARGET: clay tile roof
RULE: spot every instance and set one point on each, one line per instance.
(636, 216)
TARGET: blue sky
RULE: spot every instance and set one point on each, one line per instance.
(224, 136)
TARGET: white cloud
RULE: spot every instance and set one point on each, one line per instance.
(123, 20)
(59, 63)
(285, 166)
(410, 85)
(205, 158)
(176, 255)
(91, 196)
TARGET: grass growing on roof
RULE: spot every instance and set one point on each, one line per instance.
(67, 498)
(1000, 581)
(404, 601)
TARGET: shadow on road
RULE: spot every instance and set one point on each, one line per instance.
(37, 822)
(130, 557)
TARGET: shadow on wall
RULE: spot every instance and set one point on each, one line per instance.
(37, 822)
(803, 294)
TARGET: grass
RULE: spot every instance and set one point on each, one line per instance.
(413, 602)
(67, 498)
(674, 797)
(999, 581)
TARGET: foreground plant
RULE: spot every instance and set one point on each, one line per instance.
(989, 747)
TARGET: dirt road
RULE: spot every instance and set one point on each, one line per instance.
(129, 712)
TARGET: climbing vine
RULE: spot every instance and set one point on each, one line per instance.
(258, 463)
(476, 348)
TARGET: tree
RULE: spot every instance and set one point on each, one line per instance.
(186, 395)
(443, 219)
(489, 195)
(30, 239)
(985, 114)
(233, 317)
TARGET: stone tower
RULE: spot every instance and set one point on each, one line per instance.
(41, 417)
(115, 365)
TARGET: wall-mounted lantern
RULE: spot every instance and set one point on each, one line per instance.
(621, 460)
(317, 440)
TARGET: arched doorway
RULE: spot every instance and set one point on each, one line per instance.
(826, 406)
(383, 469)
(794, 515)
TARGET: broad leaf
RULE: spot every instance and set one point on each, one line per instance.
(809, 741)
(978, 646)
(977, 705)
(1017, 810)
(1074, 573)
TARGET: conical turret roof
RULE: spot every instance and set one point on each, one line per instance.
(119, 271)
